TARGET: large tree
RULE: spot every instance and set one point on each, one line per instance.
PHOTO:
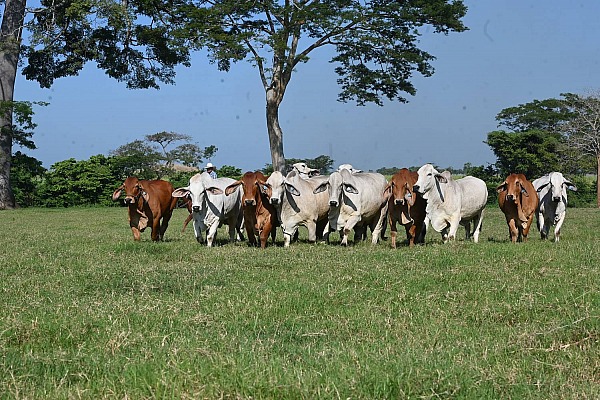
(55, 39)
(141, 42)
(532, 143)
(583, 130)
(375, 44)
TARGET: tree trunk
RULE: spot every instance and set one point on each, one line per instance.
(274, 129)
(10, 41)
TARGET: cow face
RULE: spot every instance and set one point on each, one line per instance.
(401, 189)
(427, 179)
(133, 191)
(558, 187)
(275, 188)
(197, 192)
(337, 185)
(512, 188)
(253, 184)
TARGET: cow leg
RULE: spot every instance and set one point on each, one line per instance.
(394, 233)
(543, 226)
(467, 226)
(264, 234)
(312, 231)
(454, 224)
(557, 228)
(547, 225)
(410, 229)
(526, 228)
(513, 231)
(165, 224)
(477, 227)
(155, 235)
(136, 233)
(198, 231)
(211, 233)
(360, 233)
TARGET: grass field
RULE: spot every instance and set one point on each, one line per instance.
(85, 312)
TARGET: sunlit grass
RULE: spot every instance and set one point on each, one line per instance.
(87, 312)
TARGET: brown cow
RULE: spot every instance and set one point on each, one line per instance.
(406, 207)
(260, 217)
(148, 203)
(518, 201)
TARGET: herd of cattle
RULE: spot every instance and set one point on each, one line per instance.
(348, 199)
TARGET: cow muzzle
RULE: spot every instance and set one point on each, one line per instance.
(399, 202)
(250, 202)
(510, 197)
(274, 201)
(129, 200)
(333, 203)
(196, 208)
(556, 199)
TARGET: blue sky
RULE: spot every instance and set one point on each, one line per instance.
(515, 51)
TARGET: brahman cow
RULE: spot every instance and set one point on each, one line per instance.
(518, 200)
(356, 200)
(349, 167)
(149, 202)
(260, 217)
(304, 171)
(552, 191)
(211, 208)
(451, 203)
(297, 205)
(406, 207)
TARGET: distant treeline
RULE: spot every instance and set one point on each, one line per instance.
(91, 182)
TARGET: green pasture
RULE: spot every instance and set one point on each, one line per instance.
(86, 312)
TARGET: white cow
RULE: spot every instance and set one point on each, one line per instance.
(451, 203)
(211, 208)
(297, 205)
(356, 200)
(552, 191)
(349, 167)
(304, 171)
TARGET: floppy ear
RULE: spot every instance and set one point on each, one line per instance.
(117, 193)
(501, 187)
(441, 178)
(350, 188)
(388, 188)
(570, 185)
(263, 186)
(292, 189)
(232, 188)
(523, 190)
(409, 197)
(144, 193)
(181, 192)
(543, 186)
(214, 190)
(321, 188)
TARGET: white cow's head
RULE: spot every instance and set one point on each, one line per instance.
(200, 185)
(304, 170)
(349, 167)
(428, 179)
(275, 188)
(338, 183)
(557, 185)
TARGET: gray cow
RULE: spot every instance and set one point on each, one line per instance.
(451, 203)
(297, 205)
(552, 191)
(211, 208)
(356, 200)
